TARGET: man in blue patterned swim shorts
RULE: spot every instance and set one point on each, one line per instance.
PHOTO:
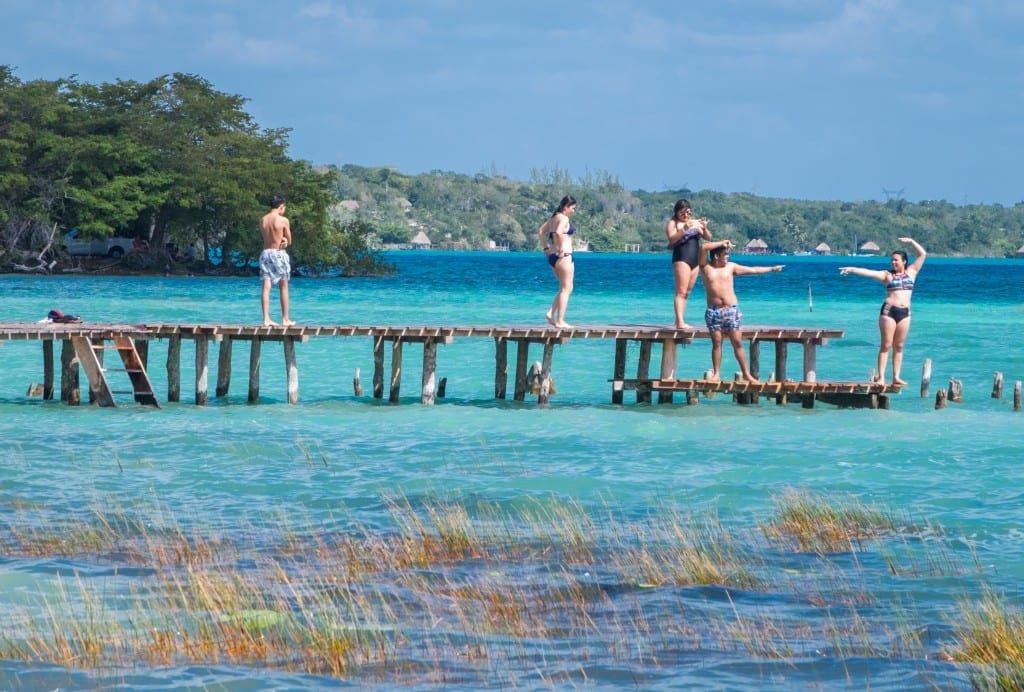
(723, 315)
(275, 267)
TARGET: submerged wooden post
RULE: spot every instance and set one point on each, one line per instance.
(48, 369)
(522, 358)
(940, 399)
(357, 387)
(926, 377)
(396, 370)
(1016, 395)
(378, 367)
(442, 386)
(956, 391)
(997, 386)
(224, 367)
(68, 373)
(619, 369)
(545, 372)
(692, 398)
(292, 369)
(255, 349)
(429, 370)
(202, 369)
(174, 368)
(643, 369)
(500, 367)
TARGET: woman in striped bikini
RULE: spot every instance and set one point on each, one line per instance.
(894, 319)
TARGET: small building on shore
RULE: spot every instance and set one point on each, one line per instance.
(420, 241)
(869, 248)
(756, 247)
(822, 249)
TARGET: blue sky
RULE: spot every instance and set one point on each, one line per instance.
(806, 99)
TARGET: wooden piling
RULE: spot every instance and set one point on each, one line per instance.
(396, 371)
(522, 368)
(643, 368)
(427, 390)
(68, 373)
(378, 367)
(255, 350)
(224, 367)
(500, 366)
(48, 370)
(668, 368)
(174, 368)
(619, 369)
(202, 369)
(1016, 395)
(99, 359)
(940, 399)
(357, 387)
(956, 391)
(442, 386)
(545, 372)
(707, 376)
(997, 386)
(926, 377)
(292, 369)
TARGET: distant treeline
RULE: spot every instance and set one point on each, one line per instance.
(475, 211)
(176, 163)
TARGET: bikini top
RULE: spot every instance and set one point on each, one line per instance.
(900, 282)
(551, 234)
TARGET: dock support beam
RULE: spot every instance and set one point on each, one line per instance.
(224, 367)
(292, 369)
(48, 370)
(500, 366)
(174, 368)
(255, 349)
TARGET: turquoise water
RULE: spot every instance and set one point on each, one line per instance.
(334, 464)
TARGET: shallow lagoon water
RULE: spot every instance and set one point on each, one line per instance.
(334, 459)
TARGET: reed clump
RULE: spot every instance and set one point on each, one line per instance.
(822, 524)
(990, 635)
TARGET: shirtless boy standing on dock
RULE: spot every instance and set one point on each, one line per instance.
(723, 314)
(275, 267)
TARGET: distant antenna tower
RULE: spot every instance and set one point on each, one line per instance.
(893, 194)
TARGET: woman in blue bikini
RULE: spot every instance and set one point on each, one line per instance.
(894, 319)
(556, 237)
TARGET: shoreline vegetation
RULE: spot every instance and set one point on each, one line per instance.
(465, 593)
(173, 162)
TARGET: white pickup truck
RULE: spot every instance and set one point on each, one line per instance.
(106, 247)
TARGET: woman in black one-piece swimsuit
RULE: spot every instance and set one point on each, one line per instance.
(684, 234)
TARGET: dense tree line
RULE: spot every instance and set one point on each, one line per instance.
(470, 211)
(174, 162)
(171, 161)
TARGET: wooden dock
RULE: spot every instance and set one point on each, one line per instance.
(81, 341)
